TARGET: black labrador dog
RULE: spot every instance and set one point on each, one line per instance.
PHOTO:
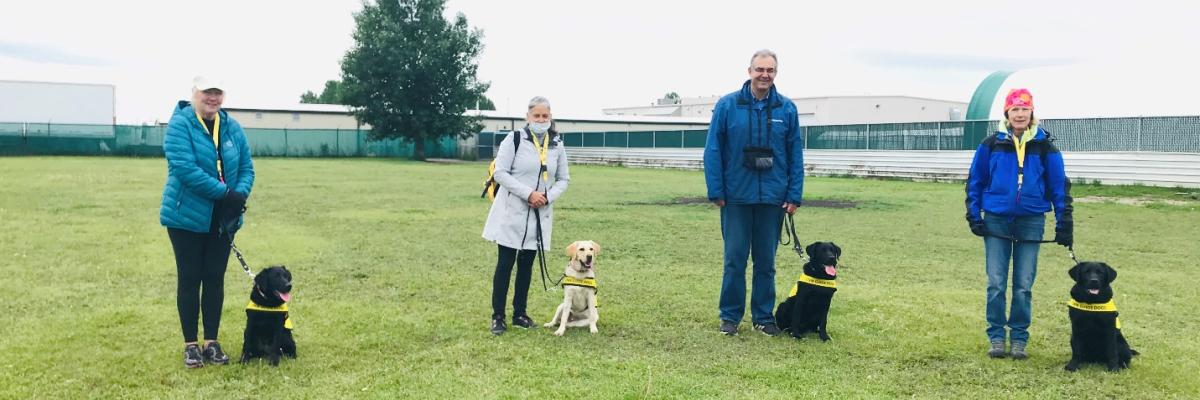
(268, 326)
(1095, 330)
(807, 307)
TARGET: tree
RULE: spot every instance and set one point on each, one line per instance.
(411, 73)
(484, 103)
(331, 95)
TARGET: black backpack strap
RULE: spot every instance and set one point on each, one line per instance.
(516, 145)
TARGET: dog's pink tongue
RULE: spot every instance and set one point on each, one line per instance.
(286, 297)
(1094, 291)
(831, 270)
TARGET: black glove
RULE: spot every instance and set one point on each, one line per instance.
(1064, 234)
(978, 227)
(231, 207)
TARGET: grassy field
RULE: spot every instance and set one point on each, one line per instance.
(393, 285)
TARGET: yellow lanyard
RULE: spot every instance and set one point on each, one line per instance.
(1019, 143)
(542, 153)
(216, 136)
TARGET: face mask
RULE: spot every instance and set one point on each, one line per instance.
(539, 127)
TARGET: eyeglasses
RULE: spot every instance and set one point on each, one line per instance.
(762, 70)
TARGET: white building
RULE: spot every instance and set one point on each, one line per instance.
(829, 110)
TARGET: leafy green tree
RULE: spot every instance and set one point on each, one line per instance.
(331, 95)
(412, 73)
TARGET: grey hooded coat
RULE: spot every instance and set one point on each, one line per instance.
(511, 221)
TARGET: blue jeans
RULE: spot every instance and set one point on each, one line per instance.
(998, 252)
(749, 230)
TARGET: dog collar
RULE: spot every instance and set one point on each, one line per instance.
(1110, 306)
(283, 308)
(826, 283)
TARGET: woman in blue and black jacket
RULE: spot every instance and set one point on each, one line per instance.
(209, 175)
(1016, 177)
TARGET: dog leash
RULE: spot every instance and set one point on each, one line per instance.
(790, 229)
(241, 260)
(1070, 249)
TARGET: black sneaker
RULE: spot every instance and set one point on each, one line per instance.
(213, 354)
(768, 329)
(498, 326)
(192, 357)
(523, 321)
(729, 328)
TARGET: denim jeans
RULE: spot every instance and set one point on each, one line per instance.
(749, 230)
(998, 253)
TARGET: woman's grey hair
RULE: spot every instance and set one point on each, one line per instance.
(763, 53)
(538, 101)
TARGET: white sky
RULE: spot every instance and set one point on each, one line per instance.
(588, 55)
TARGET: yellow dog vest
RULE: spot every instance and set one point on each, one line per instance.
(287, 322)
(812, 281)
(585, 282)
(1110, 306)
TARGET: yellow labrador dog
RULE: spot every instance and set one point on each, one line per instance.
(579, 289)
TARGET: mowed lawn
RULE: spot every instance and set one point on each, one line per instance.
(393, 284)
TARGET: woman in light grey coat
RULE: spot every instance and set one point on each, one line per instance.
(532, 176)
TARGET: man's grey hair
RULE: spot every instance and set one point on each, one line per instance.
(763, 53)
(538, 101)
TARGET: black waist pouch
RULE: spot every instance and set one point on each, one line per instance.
(758, 158)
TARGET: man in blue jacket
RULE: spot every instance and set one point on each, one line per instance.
(754, 168)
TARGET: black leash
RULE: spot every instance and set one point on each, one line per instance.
(223, 231)
(790, 229)
(1070, 249)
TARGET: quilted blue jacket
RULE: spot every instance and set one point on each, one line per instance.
(738, 121)
(992, 183)
(192, 187)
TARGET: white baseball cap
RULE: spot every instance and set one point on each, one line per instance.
(203, 83)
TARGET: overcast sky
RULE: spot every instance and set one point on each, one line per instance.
(589, 55)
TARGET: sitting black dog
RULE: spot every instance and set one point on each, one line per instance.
(807, 307)
(1095, 330)
(268, 326)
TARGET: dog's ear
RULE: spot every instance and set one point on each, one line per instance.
(572, 248)
(837, 251)
(596, 247)
(1074, 272)
(1109, 272)
(810, 248)
(259, 277)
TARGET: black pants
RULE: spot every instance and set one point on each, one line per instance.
(200, 259)
(504, 264)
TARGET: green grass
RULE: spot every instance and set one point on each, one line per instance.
(393, 285)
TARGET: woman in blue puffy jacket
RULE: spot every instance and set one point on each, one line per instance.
(1016, 177)
(209, 175)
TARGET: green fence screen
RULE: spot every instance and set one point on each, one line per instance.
(146, 140)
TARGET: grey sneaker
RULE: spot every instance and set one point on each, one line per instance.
(997, 350)
(213, 355)
(192, 357)
(1018, 351)
(729, 328)
(768, 329)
